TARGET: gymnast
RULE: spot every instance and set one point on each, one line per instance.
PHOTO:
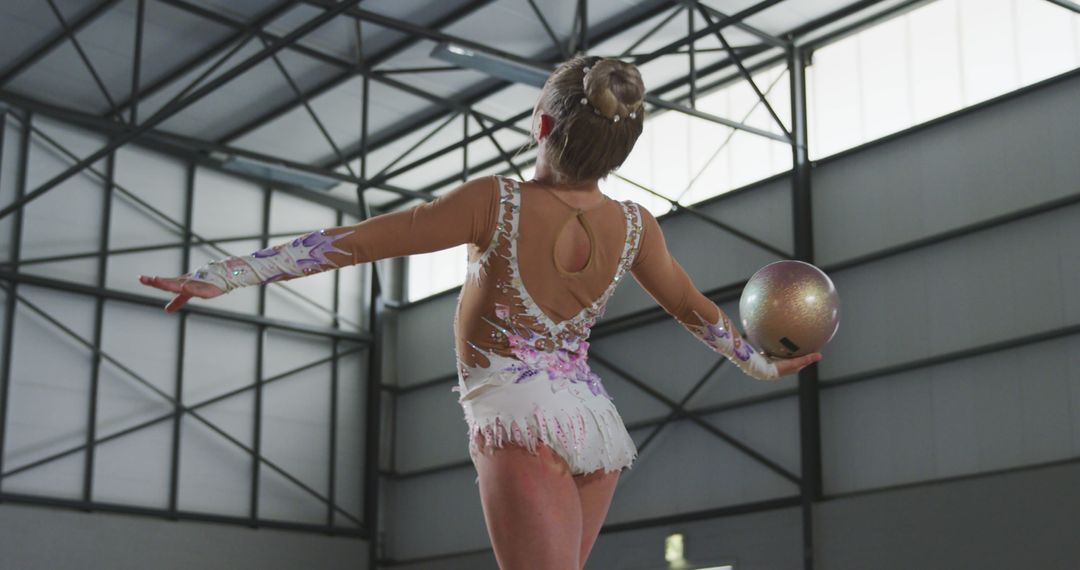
(544, 257)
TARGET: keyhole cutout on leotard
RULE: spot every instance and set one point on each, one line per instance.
(574, 245)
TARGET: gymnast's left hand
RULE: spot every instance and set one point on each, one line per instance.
(184, 289)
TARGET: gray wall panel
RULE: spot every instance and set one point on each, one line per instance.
(986, 287)
(10, 163)
(434, 514)
(105, 541)
(425, 336)
(156, 179)
(295, 427)
(135, 468)
(763, 212)
(66, 219)
(215, 475)
(673, 362)
(48, 394)
(689, 469)
(1014, 154)
(1004, 409)
(430, 429)
(760, 541)
(1015, 520)
(351, 422)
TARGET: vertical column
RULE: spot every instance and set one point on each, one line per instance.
(16, 245)
(178, 410)
(99, 316)
(260, 348)
(374, 370)
(809, 424)
(334, 347)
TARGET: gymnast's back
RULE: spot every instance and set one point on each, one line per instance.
(540, 272)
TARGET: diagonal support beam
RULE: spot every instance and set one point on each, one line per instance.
(310, 110)
(746, 75)
(547, 28)
(162, 216)
(760, 34)
(82, 54)
(708, 219)
(502, 152)
(172, 109)
(682, 404)
(1067, 4)
(683, 412)
(55, 41)
(105, 356)
(197, 60)
(369, 62)
(658, 102)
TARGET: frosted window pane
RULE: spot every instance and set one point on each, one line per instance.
(987, 45)
(931, 61)
(935, 61)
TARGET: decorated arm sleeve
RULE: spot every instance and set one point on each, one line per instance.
(657, 271)
(464, 215)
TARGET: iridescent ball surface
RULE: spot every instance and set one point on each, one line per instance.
(789, 308)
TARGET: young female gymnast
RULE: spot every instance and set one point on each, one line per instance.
(544, 257)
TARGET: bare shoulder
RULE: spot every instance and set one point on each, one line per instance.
(478, 190)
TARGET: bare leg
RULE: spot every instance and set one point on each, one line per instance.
(595, 490)
(531, 508)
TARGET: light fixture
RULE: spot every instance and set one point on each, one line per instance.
(275, 172)
(491, 64)
(673, 551)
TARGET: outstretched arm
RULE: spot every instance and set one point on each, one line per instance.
(657, 271)
(466, 214)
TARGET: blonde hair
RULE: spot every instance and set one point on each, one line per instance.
(598, 107)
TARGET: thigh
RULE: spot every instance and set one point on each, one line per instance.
(531, 508)
(595, 491)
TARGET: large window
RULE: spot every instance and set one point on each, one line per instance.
(938, 58)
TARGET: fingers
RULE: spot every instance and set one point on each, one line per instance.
(162, 283)
(171, 285)
(177, 302)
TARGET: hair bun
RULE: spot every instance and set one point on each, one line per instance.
(613, 87)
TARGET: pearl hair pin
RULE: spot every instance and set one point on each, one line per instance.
(585, 100)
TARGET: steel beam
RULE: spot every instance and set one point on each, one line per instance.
(164, 217)
(695, 418)
(602, 33)
(310, 110)
(11, 306)
(746, 75)
(195, 61)
(682, 404)
(55, 40)
(149, 385)
(555, 41)
(371, 62)
(172, 109)
(764, 36)
(802, 218)
(82, 54)
(1067, 4)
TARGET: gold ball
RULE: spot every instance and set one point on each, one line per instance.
(789, 308)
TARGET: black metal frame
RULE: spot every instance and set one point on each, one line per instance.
(127, 129)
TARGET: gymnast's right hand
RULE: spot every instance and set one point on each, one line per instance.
(785, 366)
(184, 289)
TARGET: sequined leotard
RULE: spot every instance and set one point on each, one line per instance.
(522, 321)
